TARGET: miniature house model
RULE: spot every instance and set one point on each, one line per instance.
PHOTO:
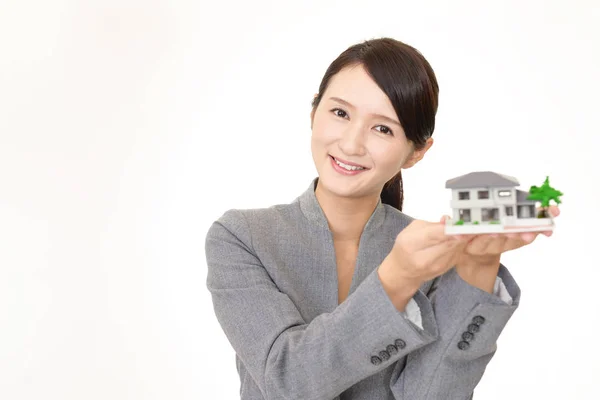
(489, 202)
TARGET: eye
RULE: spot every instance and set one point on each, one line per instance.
(385, 130)
(341, 112)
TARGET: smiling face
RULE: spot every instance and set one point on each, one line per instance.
(356, 122)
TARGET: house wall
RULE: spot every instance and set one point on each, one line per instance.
(475, 204)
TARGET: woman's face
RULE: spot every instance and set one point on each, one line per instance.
(355, 122)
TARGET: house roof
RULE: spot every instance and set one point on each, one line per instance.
(522, 197)
(481, 179)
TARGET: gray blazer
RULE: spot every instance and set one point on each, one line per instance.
(273, 279)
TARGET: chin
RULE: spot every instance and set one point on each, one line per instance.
(342, 186)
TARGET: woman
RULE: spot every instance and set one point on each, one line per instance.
(339, 294)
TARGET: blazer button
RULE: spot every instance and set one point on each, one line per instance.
(400, 343)
(392, 349)
(384, 355)
(473, 328)
(478, 320)
(467, 336)
(375, 360)
(463, 345)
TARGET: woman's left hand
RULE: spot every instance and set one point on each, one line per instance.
(485, 249)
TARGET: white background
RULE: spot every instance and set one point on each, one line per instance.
(127, 127)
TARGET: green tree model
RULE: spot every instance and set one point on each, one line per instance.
(544, 194)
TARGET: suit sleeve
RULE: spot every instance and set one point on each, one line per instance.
(413, 313)
(469, 321)
(287, 357)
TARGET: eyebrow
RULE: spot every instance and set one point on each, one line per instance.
(393, 121)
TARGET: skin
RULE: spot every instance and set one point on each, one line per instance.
(363, 128)
(354, 133)
(480, 260)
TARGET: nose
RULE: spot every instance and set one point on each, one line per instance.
(353, 141)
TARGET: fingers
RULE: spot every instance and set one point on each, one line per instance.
(514, 241)
(555, 212)
(496, 244)
(437, 259)
(487, 244)
(552, 210)
(528, 237)
(423, 234)
(426, 250)
(433, 244)
(444, 218)
(439, 249)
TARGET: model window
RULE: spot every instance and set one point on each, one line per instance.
(509, 211)
(504, 193)
(525, 211)
(463, 195)
(465, 215)
(489, 214)
(483, 194)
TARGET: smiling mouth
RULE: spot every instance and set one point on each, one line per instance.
(348, 165)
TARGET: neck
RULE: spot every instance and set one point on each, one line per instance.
(346, 216)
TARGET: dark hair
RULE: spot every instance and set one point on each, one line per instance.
(406, 77)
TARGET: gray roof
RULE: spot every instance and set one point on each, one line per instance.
(522, 197)
(481, 179)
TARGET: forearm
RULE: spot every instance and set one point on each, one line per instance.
(479, 272)
(399, 293)
(470, 321)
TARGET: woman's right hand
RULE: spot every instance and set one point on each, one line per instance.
(421, 252)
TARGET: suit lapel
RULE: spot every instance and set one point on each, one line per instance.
(374, 245)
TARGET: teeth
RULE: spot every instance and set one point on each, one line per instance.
(346, 166)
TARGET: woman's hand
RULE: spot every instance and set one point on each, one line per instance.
(479, 262)
(421, 252)
(491, 245)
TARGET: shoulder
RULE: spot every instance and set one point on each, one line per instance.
(261, 222)
(395, 219)
(275, 214)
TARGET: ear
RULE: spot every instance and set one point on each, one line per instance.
(417, 155)
(312, 112)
